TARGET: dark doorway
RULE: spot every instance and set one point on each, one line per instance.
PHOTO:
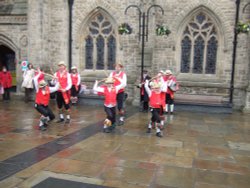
(7, 59)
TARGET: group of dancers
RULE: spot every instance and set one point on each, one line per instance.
(157, 95)
(65, 84)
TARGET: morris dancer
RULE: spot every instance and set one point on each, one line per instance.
(110, 93)
(63, 93)
(155, 102)
(171, 81)
(118, 73)
(76, 80)
(160, 80)
(42, 101)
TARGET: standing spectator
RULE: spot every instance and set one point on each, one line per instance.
(6, 83)
(27, 84)
(144, 95)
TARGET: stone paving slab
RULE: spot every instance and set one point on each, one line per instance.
(197, 150)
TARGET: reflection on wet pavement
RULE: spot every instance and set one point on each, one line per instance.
(198, 150)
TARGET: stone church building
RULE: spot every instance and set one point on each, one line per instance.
(210, 60)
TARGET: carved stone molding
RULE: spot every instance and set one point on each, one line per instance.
(10, 20)
(24, 41)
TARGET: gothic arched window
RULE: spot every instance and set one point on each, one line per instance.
(199, 46)
(100, 44)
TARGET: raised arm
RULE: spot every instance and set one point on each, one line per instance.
(69, 84)
(79, 79)
(54, 88)
(98, 89)
(35, 79)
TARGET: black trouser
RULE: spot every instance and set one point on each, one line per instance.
(6, 94)
(155, 115)
(169, 100)
(120, 100)
(144, 103)
(74, 92)
(111, 113)
(60, 101)
(45, 111)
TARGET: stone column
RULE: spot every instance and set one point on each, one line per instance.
(246, 108)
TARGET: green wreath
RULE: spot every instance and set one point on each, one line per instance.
(124, 28)
(243, 27)
(162, 30)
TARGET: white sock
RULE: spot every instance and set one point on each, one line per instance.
(150, 125)
(171, 108)
(121, 118)
(158, 130)
(68, 116)
(61, 116)
(162, 122)
(105, 126)
(40, 123)
(166, 108)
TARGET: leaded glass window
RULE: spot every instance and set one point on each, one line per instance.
(199, 46)
(100, 44)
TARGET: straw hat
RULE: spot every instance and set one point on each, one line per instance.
(161, 71)
(42, 84)
(155, 85)
(119, 64)
(61, 63)
(168, 72)
(109, 80)
(74, 67)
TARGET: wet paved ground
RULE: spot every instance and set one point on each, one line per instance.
(197, 150)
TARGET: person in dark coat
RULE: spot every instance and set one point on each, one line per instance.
(144, 95)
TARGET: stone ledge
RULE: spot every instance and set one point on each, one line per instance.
(198, 99)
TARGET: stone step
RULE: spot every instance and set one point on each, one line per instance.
(91, 99)
(204, 108)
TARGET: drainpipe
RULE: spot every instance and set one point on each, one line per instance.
(70, 3)
(234, 52)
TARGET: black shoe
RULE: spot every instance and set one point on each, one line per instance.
(149, 130)
(60, 120)
(42, 128)
(67, 120)
(45, 125)
(171, 113)
(106, 130)
(120, 123)
(159, 134)
(112, 127)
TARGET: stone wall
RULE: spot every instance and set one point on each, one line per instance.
(47, 37)
(13, 30)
